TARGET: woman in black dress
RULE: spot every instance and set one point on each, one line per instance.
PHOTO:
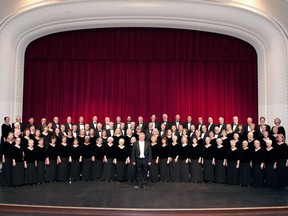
(282, 162)
(86, 159)
(233, 164)
(97, 160)
(251, 140)
(245, 162)
(237, 141)
(121, 160)
(117, 136)
(104, 137)
(280, 129)
(257, 165)
(30, 163)
(154, 167)
(58, 136)
(5, 130)
(242, 134)
(63, 161)
(195, 160)
(208, 161)
(212, 138)
(7, 160)
(184, 155)
(131, 169)
(220, 162)
(40, 151)
(270, 165)
(92, 137)
(169, 136)
(51, 160)
(81, 137)
(265, 137)
(109, 155)
(17, 156)
(36, 137)
(25, 139)
(75, 159)
(46, 136)
(70, 137)
(225, 139)
(164, 160)
(174, 166)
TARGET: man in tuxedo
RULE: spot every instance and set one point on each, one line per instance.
(141, 157)
(148, 132)
(177, 121)
(166, 122)
(204, 133)
(221, 125)
(117, 123)
(128, 123)
(81, 123)
(141, 124)
(247, 128)
(262, 123)
(55, 123)
(75, 130)
(110, 132)
(19, 120)
(30, 122)
(200, 123)
(188, 124)
(106, 124)
(68, 124)
(98, 131)
(94, 123)
(211, 124)
(235, 124)
(155, 124)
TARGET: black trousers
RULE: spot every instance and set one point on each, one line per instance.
(142, 169)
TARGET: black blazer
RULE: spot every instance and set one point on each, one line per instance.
(136, 151)
(223, 127)
(212, 127)
(168, 125)
(67, 127)
(91, 125)
(144, 126)
(185, 125)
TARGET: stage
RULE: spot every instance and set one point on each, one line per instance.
(114, 198)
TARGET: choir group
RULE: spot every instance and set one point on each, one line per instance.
(247, 155)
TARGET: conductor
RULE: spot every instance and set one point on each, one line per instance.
(141, 157)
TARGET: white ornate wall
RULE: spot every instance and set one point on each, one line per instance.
(39, 19)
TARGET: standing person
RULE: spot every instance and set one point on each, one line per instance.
(131, 170)
(165, 160)
(121, 160)
(195, 160)
(40, 151)
(97, 160)
(63, 161)
(208, 160)
(220, 162)
(142, 157)
(281, 129)
(46, 135)
(257, 165)
(75, 159)
(174, 166)
(184, 155)
(86, 159)
(109, 156)
(233, 164)
(17, 156)
(5, 129)
(7, 160)
(245, 161)
(30, 163)
(282, 161)
(270, 165)
(154, 168)
(51, 161)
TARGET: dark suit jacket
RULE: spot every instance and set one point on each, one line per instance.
(168, 125)
(212, 127)
(174, 123)
(91, 125)
(185, 125)
(223, 127)
(148, 135)
(144, 126)
(54, 125)
(136, 151)
(157, 125)
(257, 128)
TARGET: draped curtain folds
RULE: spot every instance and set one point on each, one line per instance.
(140, 71)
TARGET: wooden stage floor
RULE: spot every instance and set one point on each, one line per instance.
(114, 198)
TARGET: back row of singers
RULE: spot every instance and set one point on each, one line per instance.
(169, 162)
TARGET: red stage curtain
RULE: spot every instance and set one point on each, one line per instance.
(140, 71)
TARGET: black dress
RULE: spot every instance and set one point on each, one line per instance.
(70, 140)
(86, 161)
(17, 154)
(75, 154)
(109, 168)
(97, 164)
(282, 170)
(196, 167)
(6, 175)
(164, 153)
(184, 155)
(208, 169)
(245, 156)
(121, 154)
(154, 168)
(174, 167)
(63, 167)
(40, 158)
(5, 130)
(51, 169)
(30, 171)
(257, 172)
(116, 140)
(131, 169)
(232, 171)
(270, 174)
(46, 138)
(81, 140)
(220, 169)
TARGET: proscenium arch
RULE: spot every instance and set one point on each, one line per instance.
(27, 25)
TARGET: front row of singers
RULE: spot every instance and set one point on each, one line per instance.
(246, 166)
